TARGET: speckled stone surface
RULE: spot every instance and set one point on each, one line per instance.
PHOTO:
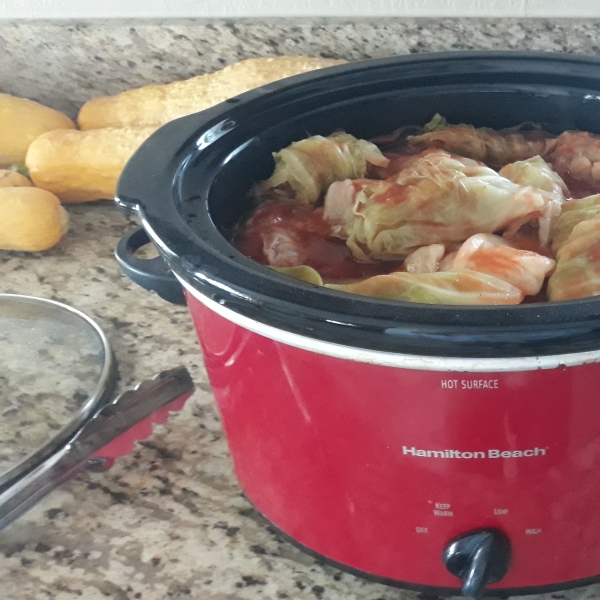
(169, 520)
(63, 64)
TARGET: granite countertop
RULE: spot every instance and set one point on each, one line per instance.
(76, 60)
(169, 520)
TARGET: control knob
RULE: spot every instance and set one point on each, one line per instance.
(478, 558)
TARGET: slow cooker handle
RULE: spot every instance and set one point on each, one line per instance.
(149, 273)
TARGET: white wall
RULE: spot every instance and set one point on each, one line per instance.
(66, 9)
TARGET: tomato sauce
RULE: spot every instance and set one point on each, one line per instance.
(321, 250)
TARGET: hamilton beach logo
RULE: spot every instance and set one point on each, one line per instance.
(491, 453)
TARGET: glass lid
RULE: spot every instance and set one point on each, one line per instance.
(56, 368)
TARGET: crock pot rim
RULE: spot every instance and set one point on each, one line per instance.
(223, 266)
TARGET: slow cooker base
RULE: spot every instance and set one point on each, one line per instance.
(380, 469)
(493, 592)
(379, 432)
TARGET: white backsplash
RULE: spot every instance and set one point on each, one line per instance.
(68, 9)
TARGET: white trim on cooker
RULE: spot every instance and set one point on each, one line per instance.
(392, 359)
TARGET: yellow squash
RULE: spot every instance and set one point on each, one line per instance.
(157, 104)
(79, 166)
(30, 219)
(21, 121)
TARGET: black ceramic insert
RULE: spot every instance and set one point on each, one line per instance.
(188, 183)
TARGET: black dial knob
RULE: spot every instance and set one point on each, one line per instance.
(478, 558)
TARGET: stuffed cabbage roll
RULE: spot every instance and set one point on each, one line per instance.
(576, 157)
(400, 161)
(440, 198)
(340, 198)
(284, 248)
(301, 273)
(451, 287)
(425, 259)
(491, 254)
(305, 169)
(493, 147)
(447, 262)
(537, 173)
(577, 272)
(573, 212)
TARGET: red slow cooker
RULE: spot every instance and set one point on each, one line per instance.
(425, 446)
